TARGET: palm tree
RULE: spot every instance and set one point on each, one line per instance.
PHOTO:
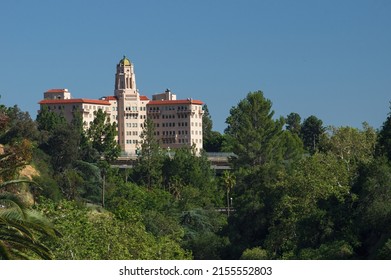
(20, 228)
(229, 181)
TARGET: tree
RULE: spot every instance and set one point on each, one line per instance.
(63, 147)
(373, 208)
(20, 228)
(383, 146)
(19, 126)
(313, 216)
(311, 131)
(148, 170)
(229, 182)
(207, 123)
(212, 140)
(48, 120)
(352, 146)
(253, 132)
(293, 123)
(91, 233)
(102, 134)
(102, 137)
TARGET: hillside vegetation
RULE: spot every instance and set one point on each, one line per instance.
(296, 190)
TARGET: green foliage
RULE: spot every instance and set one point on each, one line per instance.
(337, 250)
(14, 157)
(214, 143)
(383, 146)
(373, 214)
(148, 170)
(92, 234)
(229, 181)
(48, 120)
(352, 146)
(18, 126)
(297, 193)
(293, 123)
(20, 228)
(212, 140)
(102, 135)
(256, 253)
(207, 123)
(311, 132)
(202, 229)
(48, 186)
(253, 132)
(63, 147)
(313, 209)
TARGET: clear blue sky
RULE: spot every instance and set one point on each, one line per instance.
(330, 58)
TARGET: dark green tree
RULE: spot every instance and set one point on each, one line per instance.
(212, 140)
(253, 132)
(293, 123)
(48, 120)
(63, 147)
(383, 146)
(373, 215)
(20, 126)
(311, 132)
(102, 134)
(207, 123)
(148, 170)
(229, 181)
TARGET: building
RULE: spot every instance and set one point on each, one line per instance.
(178, 123)
(61, 102)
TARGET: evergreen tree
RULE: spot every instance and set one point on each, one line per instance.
(148, 170)
(293, 123)
(102, 134)
(253, 132)
(383, 146)
(311, 132)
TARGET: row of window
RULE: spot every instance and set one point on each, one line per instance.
(180, 132)
(179, 141)
(134, 133)
(171, 132)
(132, 125)
(94, 107)
(132, 141)
(169, 108)
(134, 108)
(172, 124)
(134, 116)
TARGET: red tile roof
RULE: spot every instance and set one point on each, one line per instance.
(175, 102)
(112, 97)
(71, 101)
(58, 90)
(143, 98)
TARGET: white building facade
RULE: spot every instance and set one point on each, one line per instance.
(178, 123)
